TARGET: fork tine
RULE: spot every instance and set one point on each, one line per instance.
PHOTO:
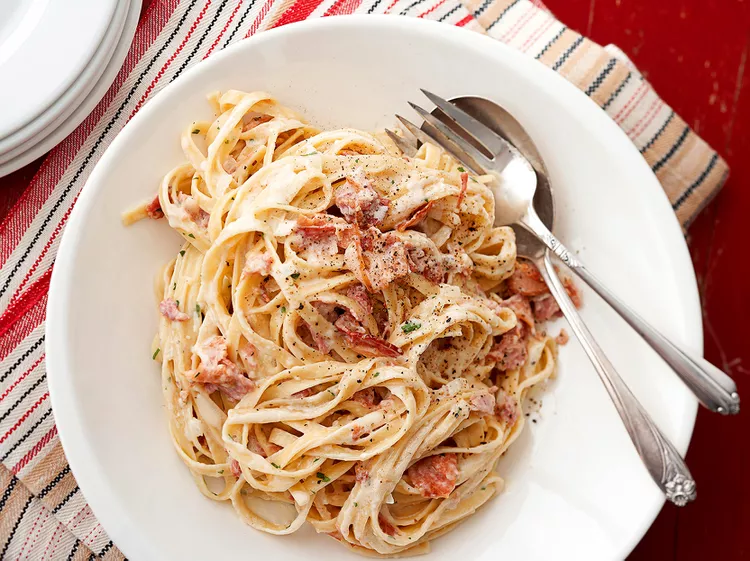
(406, 148)
(414, 130)
(460, 148)
(483, 134)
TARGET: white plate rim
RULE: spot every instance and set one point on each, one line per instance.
(92, 482)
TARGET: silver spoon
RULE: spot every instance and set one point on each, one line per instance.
(715, 390)
(661, 458)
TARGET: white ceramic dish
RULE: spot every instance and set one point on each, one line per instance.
(575, 486)
(25, 137)
(44, 47)
(67, 121)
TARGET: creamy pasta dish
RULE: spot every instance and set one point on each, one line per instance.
(344, 332)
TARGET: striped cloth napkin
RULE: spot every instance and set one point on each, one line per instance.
(43, 515)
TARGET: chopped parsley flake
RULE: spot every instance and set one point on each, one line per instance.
(182, 252)
(316, 460)
(376, 374)
(276, 465)
(461, 169)
(191, 236)
(198, 308)
(356, 504)
(283, 310)
(410, 326)
(295, 276)
(196, 131)
(156, 352)
(323, 477)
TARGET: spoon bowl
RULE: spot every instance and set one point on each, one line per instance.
(504, 124)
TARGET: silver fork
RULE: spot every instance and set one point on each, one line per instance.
(514, 204)
(659, 455)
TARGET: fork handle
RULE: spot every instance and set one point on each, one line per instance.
(661, 458)
(713, 388)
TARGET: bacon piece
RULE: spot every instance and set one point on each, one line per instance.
(484, 403)
(366, 397)
(153, 209)
(369, 345)
(435, 476)
(386, 526)
(562, 337)
(320, 342)
(253, 444)
(377, 259)
(217, 372)
(572, 291)
(462, 192)
(426, 264)
(259, 263)
(380, 313)
(507, 410)
(418, 216)
(193, 210)
(348, 323)
(510, 352)
(546, 307)
(234, 467)
(357, 432)
(361, 473)
(316, 227)
(317, 340)
(320, 234)
(168, 308)
(526, 280)
(359, 294)
(307, 392)
(361, 204)
(264, 294)
(520, 306)
(252, 119)
(230, 165)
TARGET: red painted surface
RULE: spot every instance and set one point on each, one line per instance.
(695, 54)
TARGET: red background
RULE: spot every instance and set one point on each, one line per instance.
(694, 52)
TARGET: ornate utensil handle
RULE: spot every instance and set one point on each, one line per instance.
(715, 390)
(664, 463)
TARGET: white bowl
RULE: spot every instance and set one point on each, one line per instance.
(576, 488)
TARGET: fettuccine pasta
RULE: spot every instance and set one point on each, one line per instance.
(344, 331)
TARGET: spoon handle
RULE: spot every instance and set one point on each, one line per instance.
(713, 388)
(663, 461)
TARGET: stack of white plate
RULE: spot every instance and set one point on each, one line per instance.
(57, 60)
